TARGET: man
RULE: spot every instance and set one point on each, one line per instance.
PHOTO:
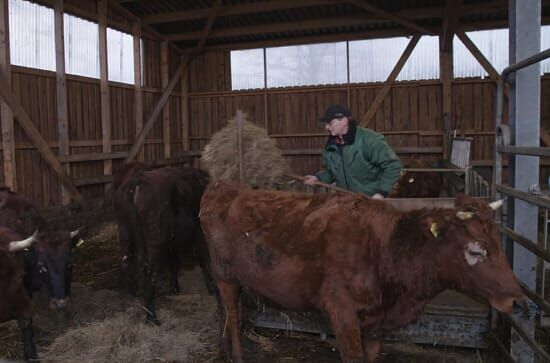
(356, 158)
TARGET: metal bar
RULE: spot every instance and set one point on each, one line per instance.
(525, 242)
(501, 347)
(523, 150)
(533, 199)
(527, 339)
(537, 299)
(240, 119)
(440, 170)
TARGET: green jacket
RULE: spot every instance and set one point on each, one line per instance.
(364, 164)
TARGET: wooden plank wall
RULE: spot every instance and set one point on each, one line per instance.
(410, 117)
(36, 91)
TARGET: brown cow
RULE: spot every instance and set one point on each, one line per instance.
(363, 263)
(157, 214)
(418, 184)
(15, 302)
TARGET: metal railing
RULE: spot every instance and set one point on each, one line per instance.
(502, 146)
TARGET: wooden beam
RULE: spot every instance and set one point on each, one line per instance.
(185, 108)
(138, 95)
(34, 136)
(446, 76)
(164, 65)
(450, 20)
(61, 92)
(312, 39)
(104, 86)
(93, 157)
(322, 23)
(158, 107)
(229, 10)
(275, 5)
(115, 5)
(208, 26)
(465, 39)
(365, 5)
(545, 135)
(389, 81)
(6, 116)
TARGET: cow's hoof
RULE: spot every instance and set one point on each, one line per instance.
(153, 320)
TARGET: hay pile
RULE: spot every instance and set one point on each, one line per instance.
(188, 329)
(264, 164)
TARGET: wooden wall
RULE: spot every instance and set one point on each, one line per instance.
(410, 117)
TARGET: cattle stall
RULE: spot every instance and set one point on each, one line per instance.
(87, 86)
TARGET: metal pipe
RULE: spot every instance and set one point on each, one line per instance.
(527, 339)
(536, 298)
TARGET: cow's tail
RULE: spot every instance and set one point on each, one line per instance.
(137, 232)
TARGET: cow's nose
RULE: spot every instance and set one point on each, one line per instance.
(59, 303)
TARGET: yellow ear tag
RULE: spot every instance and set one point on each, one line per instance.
(434, 229)
(80, 242)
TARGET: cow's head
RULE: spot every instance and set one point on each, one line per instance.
(469, 256)
(50, 261)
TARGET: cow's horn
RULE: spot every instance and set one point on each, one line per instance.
(464, 215)
(26, 243)
(74, 233)
(496, 204)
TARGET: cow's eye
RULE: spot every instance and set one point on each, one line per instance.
(477, 253)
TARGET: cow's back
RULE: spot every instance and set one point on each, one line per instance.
(284, 246)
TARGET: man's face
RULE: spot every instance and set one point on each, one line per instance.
(337, 126)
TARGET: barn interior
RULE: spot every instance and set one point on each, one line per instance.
(67, 128)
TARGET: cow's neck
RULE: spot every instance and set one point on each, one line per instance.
(408, 274)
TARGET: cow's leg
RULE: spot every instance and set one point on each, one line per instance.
(128, 261)
(345, 324)
(229, 295)
(25, 326)
(373, 348)
(204, 260)
(150, 290)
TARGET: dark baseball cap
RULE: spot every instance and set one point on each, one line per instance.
(335, 111)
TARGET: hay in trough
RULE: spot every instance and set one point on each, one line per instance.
(264, 164)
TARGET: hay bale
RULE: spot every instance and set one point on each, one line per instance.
(264, 164)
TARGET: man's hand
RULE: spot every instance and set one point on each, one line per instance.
(377, 196)
(311, 180)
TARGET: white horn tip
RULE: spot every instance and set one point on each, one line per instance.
(496, 204)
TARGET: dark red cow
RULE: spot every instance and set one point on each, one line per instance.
(157, 214)
(363, 263)
(16, 302)
(419, 184)
(48, 263)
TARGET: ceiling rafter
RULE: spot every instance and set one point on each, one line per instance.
(237, 9)
(280, 27)
(365, 5)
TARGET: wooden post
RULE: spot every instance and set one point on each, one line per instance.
(34, 136)
(389, 81)
(138, 96)
(164, 65)
(185, 106)
(61, 92)
(156, 111)
(446, 76)
(104, 87)
(8, 138)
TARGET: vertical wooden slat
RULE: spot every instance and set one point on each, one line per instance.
(446, 75)
(138, 96)
(61, 92)
(185, 107)
(164, 65)
(104, 86)
(8, 139)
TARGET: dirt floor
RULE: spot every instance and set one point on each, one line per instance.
(105, 325)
